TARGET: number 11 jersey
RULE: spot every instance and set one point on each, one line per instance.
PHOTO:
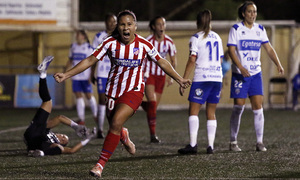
(209, 53)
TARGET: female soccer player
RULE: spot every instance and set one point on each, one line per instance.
(206, 53)
(155, 75)
(40, 140)
(244, 45)
(103, 68)
(81, 82)
(125, 84)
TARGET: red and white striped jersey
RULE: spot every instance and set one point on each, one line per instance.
(126, 72)
(164, 47)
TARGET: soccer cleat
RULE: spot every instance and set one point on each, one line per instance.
(42, 68)
(261, 147)
(125, 140)
(91, 134)
(154, 139)
(234, 147)
(188, 149)
(36, 153)
(100, 134)
(96, 171)
(81, 131)
(209, 150)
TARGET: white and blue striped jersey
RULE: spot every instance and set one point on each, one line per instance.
(103, 67)
(77, 53)
(248, 43)
(209, 52)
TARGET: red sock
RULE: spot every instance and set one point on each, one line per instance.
(151, 116)
(110, 144)
(144, 105)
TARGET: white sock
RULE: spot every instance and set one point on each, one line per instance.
(211, 132)
(43, 75)
(235, 121)
(101, 117)
(74, 125)
(80, 108)
(193, 128)
(259, 121)
(93, 105)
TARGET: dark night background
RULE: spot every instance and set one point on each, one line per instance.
(95, 10)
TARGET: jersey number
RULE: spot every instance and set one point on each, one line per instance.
(111, 104)
(210, 48)
(238, 84)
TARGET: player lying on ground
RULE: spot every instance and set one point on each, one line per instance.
(39, 139)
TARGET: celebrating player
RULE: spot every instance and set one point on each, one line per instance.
(244, 45)
(125, 84)
(103, 68)
(81, 82)
(39, 139)
(206, 53)
(155, 75)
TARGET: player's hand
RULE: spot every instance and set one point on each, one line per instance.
(169, 81)
(59, 77)
(280, 69)
(181, 91)
(245, 72)
(185, 83)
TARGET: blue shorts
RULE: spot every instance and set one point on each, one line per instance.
(241, 87)
(82, 86)
(202, 92)
(101, 84)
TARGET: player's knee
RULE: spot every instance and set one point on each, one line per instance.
(115, 127)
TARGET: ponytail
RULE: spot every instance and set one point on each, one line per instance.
(203, 21)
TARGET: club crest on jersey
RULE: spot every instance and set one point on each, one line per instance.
(257, 33)
(165, 49)
(136, 51)
(198, 92)
(243, 33)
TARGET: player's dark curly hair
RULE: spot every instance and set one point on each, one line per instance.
(153, 21)
(243, 8)
(115, 33)
(203, 21)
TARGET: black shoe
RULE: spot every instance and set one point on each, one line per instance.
(154, 139)
(188, 150)
(100, 134)
(209, 150)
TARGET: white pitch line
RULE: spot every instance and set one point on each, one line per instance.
(13, 129)
(24, 127)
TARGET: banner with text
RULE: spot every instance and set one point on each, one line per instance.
(28, 11)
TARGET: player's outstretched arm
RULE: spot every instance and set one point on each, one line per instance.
(167, 68)
(83, 65)
(77, 147)
(190, 65)
(273, 55)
